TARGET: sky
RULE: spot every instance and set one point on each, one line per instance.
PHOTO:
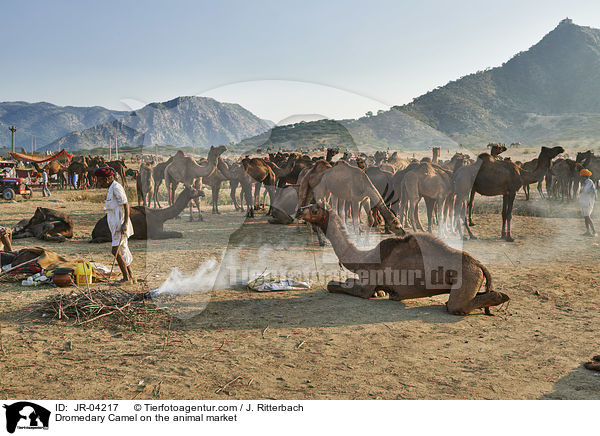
(278, 59)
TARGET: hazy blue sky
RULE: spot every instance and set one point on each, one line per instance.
(273, 56)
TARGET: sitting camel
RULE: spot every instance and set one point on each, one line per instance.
(148, 223)
(45, 224)
(285, 205)
(414, 266)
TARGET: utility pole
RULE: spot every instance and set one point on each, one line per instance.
(116, 148)
(34, 144)
(12, 129)
(109, 148)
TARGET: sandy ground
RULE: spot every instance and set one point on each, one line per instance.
(311, 344)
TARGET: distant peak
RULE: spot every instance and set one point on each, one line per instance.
(566, 22)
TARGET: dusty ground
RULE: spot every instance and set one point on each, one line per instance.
(312, 344)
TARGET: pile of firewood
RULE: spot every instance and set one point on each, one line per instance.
(84, 307)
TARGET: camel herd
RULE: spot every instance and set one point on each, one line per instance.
(332, 194)
(388, 188)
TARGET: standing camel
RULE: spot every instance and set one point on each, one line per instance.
(501, 177)
(145, 184)
(158, 175)
(215, 180)
(262, 174)
(185, 170)
(351, 185)
(432, 182)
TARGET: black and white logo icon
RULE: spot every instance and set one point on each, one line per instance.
(26, 415)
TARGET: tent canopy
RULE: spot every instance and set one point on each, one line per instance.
(40, 159)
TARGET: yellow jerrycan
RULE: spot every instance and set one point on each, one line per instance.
(83, 273)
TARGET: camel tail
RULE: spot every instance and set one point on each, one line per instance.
(488, 278)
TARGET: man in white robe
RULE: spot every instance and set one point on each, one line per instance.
(119, 223)
(587, 198)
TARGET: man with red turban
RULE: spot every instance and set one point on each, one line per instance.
(117, 216)
(587, 198)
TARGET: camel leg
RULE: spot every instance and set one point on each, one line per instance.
(509, 208)
(271, 190)
(465, 299)
(232, 188)
(197, 203)
(156, 199)
(216, 188)
(504, 206)
(430, 205)
(526, 189)
(479, 301)
(355, 211)
(247, 191)
(341, 209)
(540, 190)
(257, 196)
(319, 232)
(470, 207)
(411, 213)
(351, 287)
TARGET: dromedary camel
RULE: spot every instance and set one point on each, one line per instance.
(120, 168)
(414, 266)
(55, 168)
(590, 162)
(148, 223)
(185, 170)
(349, 184)
(501, 177)
(432, 182)
(144, 183)
(46, 224)
(382, 180)
(158, 174)
(262, 174)
(215, 180)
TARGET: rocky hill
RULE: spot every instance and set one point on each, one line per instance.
(550, 92)
(48, 122)
(183, 121)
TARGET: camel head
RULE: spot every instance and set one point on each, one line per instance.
(315, 214)
(332, 152)
(193, 192)
(497, 149)
(583, 156)
(215, 152)
(550, 153)
(396, 228)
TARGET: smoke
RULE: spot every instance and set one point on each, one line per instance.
(202, 280)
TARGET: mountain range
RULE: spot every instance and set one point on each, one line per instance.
(47, 122)
(548, 94)
(183, 121)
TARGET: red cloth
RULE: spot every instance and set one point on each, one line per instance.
(40, 159)
(29, 269)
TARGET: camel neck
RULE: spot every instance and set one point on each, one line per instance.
(347, 253)
(538, 173)
(173, 211)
